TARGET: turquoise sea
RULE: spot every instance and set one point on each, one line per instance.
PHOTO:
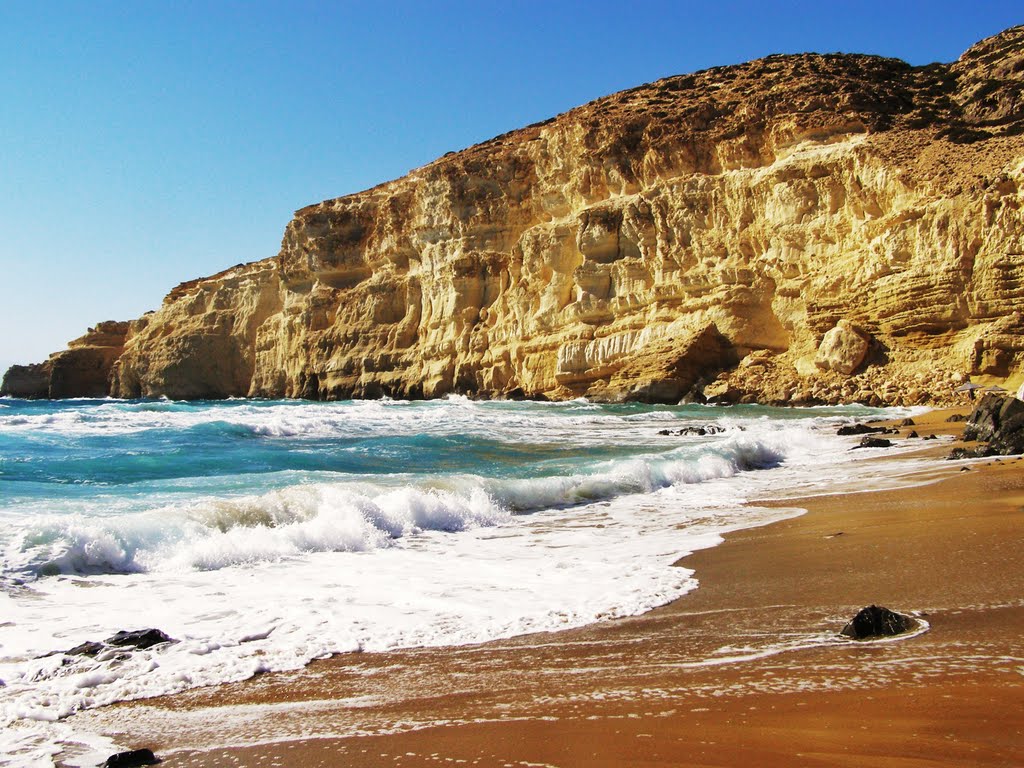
(260, 535)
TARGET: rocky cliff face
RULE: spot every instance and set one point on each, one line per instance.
(82, 370)
(843, 227)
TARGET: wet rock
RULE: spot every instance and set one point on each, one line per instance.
(139, 638)
(701, 431)
(131, 759)
(908, 423)
(876, 621)
(859, 429)
(89, 648)
(969, 453)
(873, 442)
(31, 382)
(913, 433)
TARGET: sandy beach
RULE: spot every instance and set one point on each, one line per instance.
(746, 670)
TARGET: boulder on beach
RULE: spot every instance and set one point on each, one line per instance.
(873, 442)
(876, 621)
(843, 348)
(999, 421)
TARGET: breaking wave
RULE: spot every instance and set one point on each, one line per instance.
(353, 516)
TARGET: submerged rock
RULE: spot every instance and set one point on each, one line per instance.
(89, 648)
(701, 431)
(139, 638)
(876, 621)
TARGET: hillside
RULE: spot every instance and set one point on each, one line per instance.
(796, 229)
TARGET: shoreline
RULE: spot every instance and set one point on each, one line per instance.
(753, 646)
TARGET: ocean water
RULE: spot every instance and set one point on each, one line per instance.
(261, 535)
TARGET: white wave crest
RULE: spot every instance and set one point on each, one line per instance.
(639, 475)
(217, 533)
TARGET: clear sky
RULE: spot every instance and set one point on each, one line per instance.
(147, 143)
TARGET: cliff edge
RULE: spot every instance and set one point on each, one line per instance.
(797, 229)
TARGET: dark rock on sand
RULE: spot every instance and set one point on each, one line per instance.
(956, 417)
(969, 453)
(913, 433)
(873, 442)
(908, 423)
(875, 621)
(131, 759)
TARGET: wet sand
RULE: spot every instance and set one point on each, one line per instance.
(746, 670)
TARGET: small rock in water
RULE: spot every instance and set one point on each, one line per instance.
(875, 621)
(131, 759)
(88, 648)
(701, 431)
(139, 638)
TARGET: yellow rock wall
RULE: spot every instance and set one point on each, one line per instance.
(771, 199)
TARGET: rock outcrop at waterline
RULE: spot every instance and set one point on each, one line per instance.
(768, 206)
(82, 370)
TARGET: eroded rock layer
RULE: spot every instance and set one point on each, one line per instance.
(643, 244)
(81, 370)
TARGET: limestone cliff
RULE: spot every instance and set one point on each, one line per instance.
(82, 370)
(639, 245)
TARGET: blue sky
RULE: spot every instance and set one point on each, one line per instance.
(144, 143)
